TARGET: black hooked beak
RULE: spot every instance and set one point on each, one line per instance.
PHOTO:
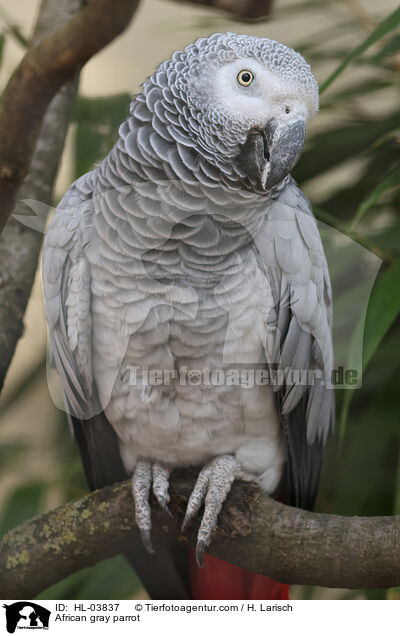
(269, 155)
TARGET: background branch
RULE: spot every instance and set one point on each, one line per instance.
(47, 66)
(254, 532)
(242, 9)
(19, 244)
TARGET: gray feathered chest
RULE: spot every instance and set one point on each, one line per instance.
(185, 273)
(176, 288)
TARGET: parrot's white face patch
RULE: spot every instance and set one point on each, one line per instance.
(267, 97)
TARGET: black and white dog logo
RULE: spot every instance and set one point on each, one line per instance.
(26, 615)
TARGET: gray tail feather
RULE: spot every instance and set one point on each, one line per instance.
(164, 574)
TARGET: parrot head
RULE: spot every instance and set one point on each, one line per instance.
(242, 104)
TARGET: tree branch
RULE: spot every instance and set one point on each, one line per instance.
(242, 9)
(19, 244)
(46, 67)
(255, 532)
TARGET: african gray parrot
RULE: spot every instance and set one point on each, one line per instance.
(189, 253)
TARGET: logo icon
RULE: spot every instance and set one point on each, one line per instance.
(26, 615)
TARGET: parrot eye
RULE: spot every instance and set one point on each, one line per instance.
(245, 77)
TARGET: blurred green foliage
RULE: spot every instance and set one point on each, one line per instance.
(362, 468)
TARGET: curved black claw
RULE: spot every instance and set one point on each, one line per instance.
(160, 486)
(200, 549)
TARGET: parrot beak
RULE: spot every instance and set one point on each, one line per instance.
(269, 155)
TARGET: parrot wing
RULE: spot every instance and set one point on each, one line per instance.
(291, 252)
(67, 295)
(67, 291)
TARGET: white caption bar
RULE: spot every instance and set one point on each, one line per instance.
(198, 618)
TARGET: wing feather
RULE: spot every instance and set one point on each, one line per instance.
(66, 285)
(291, 252)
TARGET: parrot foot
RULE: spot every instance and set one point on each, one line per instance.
(213, 485)
(146, 474)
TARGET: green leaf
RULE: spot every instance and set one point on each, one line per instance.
(66, 588)
(23, 504)
(392, 47)
(384, 27)
(10, 453)
(98, 120)
(356, 90)
(109, 109)
(90, 147)
(389, 239)
(328, 149)
(383, 309)
(392, 179)
(110, 579)
(396, 507)
(309, 45)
